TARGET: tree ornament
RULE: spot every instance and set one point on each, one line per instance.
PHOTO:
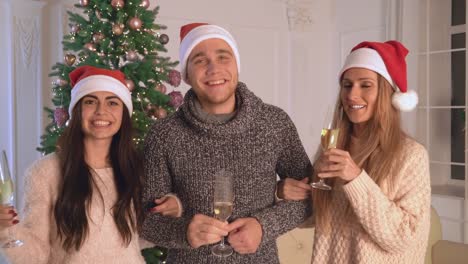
(74, 28)
(90, 46)
(117, 4)
(60, 116)
(98, 14)
(174, 78)
(98, 37)
(60, 82)
(164, 39)
(135, 23)
(117, 29)
(131, 55)
(70, 59)
(160, 112)
(161, 88)
(145, 4)
(130, 84)
(176, 99)
(84, 3)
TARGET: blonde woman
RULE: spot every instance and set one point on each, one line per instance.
(378, 210)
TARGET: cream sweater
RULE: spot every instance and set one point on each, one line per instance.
(383, 226)
(39, 232)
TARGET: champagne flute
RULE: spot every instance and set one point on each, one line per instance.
(328, 140)
(223, 202)
(7, 196)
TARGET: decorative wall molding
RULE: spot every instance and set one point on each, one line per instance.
(299, 13)
(27, 38)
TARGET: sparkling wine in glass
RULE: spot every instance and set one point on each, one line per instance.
(328, 140)
(223, 204)
(7, 195)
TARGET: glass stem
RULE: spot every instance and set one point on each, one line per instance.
(10, 234)
(222, 245)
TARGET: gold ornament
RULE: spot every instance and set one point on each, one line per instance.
(90, 46)
(70, 59)
(145, 4)
(97, 37)
(160, 112)
(131, 55)
(117, 29)
(130, 84)
(117, 4)
(164, 39)
(161, 88)
(135, 23)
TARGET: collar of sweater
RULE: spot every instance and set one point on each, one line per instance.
(247, 107)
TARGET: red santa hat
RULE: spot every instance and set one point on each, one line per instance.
(88, 79)
(194, 33)
(388, 60)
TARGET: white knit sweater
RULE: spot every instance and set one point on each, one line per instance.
(383, 225)
(39, 232)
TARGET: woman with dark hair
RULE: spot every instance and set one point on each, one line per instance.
(379, 207)
(83, 203)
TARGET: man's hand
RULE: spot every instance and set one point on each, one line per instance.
(294, 190)
(167, 206)
(245, 235)
(205, 230)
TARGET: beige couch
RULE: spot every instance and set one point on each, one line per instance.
(295, 247)
(443, 251)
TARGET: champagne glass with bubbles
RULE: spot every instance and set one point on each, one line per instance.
(328, 140)
(223, 202)
(7, 196)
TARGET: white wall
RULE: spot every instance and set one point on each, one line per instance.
(290, 54)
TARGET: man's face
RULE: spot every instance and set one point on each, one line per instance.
(212, 73)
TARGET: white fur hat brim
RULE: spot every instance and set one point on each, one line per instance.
(100, 83)
(199, 34)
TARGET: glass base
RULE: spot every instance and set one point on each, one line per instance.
(321, 185)
(13, 243)
(222, 250)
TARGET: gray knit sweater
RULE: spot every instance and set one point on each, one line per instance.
(183, 153)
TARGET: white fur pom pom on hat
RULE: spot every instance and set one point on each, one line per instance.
(405, 101)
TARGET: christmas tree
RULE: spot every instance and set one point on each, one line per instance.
(116, 34)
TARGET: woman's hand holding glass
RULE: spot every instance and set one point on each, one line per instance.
(8, 217)
(337, 163)
(7, 196)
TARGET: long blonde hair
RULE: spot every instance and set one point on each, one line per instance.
(380, 146)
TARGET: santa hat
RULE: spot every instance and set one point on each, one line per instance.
(194, 33)
(388, 60)
(88, 79)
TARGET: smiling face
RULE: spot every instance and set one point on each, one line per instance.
(101, 116)
(212, 73)
(359, 91)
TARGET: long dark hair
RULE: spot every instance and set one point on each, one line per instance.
(76, 185)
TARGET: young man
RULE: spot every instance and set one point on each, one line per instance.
(222, 126)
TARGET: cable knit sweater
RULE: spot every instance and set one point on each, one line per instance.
(39, 232)
(383, 225)
(183, 152)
